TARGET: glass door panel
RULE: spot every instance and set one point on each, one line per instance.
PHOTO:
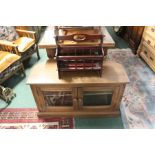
(58, 98)
(97, 98)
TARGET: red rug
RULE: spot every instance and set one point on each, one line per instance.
(26, 118)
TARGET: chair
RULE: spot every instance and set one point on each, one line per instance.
(9, 65)
(37, 29)
(20, 42)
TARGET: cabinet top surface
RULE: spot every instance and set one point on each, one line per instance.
(46, 73)
(47, 40)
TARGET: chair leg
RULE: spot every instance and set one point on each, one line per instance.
(37, 50)
(59, 74)
(6, 94)
(23, 70)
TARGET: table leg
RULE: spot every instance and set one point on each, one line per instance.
(105, 51)
(50, 52)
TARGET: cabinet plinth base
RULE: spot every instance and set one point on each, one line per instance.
(78, 113)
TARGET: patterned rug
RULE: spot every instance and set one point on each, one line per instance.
(26, 118)
(138, 103)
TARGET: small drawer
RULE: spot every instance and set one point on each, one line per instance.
(144, 51)
(148, 56)
(152, 57)
(149, 40)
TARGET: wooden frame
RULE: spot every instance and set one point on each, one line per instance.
(20, 67)
(77, 109)
(41, 92)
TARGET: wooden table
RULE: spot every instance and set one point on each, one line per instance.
(75, 94)
(47, 41)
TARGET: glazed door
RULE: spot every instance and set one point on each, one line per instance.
(57, 98)
(96, 98)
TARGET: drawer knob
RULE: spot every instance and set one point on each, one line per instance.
(145, 52)
(148, 41)
(151, 58)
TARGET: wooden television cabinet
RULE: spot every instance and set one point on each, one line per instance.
(78, 93)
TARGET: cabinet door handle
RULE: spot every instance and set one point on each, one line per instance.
(75, 103)
(74, 100)
(80, 103)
